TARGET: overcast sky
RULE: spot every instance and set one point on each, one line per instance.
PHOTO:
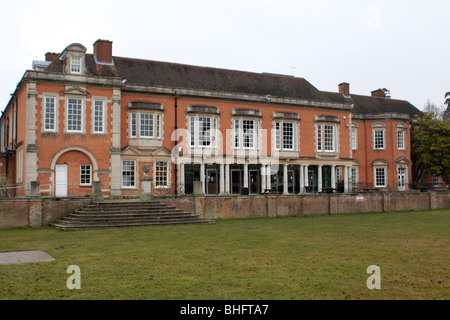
(401, 45)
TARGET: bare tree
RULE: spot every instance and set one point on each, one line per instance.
(434, 110)
(446, 113)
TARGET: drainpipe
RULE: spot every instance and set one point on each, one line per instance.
(176, 142)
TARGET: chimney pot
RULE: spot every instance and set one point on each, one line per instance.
(344, 89)
(103, 51)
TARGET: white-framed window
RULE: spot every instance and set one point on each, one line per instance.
(380, 177)
(436, 181)
(158, 126)
(128, 173)
(284, 135)
(146, 125)
(161, 174)
(248, 134)
(19, 164)
(133, 125)
(338, 174)
(378, 139)
(74, 115)
(203, 131)
(75, 65)
(401, 145)
(85, 175)
(354, 138)
(354, 174)
(99, 115)
(326, 138)
(50, 114)
(237, 132)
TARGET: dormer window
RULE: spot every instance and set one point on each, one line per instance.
(75, 65)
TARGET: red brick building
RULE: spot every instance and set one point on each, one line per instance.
(79, 117)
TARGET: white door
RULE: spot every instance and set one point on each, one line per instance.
(401, 179)
(61, 180)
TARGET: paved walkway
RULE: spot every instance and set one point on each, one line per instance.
(24, 257)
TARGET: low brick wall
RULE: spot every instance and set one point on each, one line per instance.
(40, 212)
(260, 206)
(37, 212)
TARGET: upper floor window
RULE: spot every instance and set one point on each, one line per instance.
(379, 136)
(354, 139)
(50, 113)
(202, 131)
(284, 135)
(75, 65)
(148, 126)
(401, 136)
(74, 115)
(99, 116)
(245, 133)
(326, 138)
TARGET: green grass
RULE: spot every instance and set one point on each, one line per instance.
(313, 257)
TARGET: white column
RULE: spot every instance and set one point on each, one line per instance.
(182, 191)
(306, 176)
(263, 178)
(246, 175)
(346, 179)
(319, 179)
(302, 179)
(268, 177)
(222, 179)
(333, 177)
(202, 177)
(285, 179)
(227, 178)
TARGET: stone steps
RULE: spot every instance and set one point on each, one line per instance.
(126, 214)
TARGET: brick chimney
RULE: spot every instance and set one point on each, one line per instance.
(103, 51)
(379, 93)
(344, 89)
(51, 56)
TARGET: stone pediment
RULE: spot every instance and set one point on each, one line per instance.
(130, 151)
(402, 160)
(162, 152)
(75, 91)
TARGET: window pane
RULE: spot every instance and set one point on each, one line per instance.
(128, 175)
(288, 135)
(277, 135)
(98, 116)
(74, 114)
(248, 127)
(329, 138)
(379, 139)
(49, 113)
(192, 127)
(236, 133)
(204, 131)
(401, 139)
(75, 65)
(133, 125)
(147, 125)
(353, 137)
(319, 138)
(161, 173)
(85, 174)
(380, 177)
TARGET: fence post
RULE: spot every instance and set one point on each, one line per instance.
(97, 191)
(35, 205)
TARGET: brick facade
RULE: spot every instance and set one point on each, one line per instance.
(96, 117)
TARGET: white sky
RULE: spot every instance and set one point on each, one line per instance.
(401, 45)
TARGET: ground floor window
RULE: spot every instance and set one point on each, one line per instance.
(161, 174)
(85, 175)
(128, 173)
(380, 177)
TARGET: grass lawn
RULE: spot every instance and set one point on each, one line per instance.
(300, 258)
